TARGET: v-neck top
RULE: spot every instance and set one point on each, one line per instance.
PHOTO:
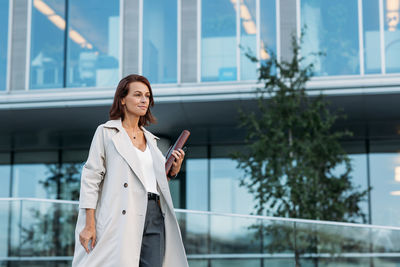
(146, 164)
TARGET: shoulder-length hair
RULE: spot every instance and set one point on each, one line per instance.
(117, 110)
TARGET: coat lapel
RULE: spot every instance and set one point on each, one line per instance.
(125, 148)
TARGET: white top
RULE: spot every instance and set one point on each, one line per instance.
(147, 169)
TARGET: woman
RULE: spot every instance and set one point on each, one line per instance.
(126, 216)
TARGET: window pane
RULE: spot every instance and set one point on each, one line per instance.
(248, 29)
(218, 40)
(359, 178)
(71, 168)
(385, 194)
(93, 43)
(160, 40)
(225, 177)
(197, 184)
(392, 35)
(5, 172)
(268, 26)
(47, 44)
(35, 175)
(3, 42)
(332, 27)
(372, 47)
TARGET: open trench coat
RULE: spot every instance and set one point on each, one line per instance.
(112, 183)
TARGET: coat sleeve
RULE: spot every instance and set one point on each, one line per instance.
(93, 172)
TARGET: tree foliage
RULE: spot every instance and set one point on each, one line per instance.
(294, 157)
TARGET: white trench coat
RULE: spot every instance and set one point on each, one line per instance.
(120, 208)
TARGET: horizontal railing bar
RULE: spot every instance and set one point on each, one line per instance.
(290, 219)
(50, 258)
(291, 255)
(186, 211)
(60, 201)
(232, 256)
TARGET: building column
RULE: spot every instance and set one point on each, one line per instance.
(130, 37)
(19, 33)
(189, 41)
(288, 18)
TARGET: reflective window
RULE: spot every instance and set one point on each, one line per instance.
(225, 177)
(218, 40)
(4, 8)
(70, 173)
(372, 47)
(88, 56)
(47, 44)
(392, 35)
(359, 178)
(160, 40)
(227, 196)
(385, 194)
(332, 27)
(248, 42)
(35, 174)
(93, 43)
(5, 172)
(268, 28)
(197, 184)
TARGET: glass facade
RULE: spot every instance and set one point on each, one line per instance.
(93, 43)
(371, 35)
(221, 38)
(248, 40)
(40, 174)
(218, 40)
(332, 28)
(4, 9)
(206, 183)
(47, 44)
(392, 35)
(160, 41)
(77, 44)
(385, 182)
(268, 29)
(86, 54)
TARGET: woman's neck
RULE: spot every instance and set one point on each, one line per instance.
(131, 123)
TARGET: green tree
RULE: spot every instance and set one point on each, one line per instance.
(293, 154)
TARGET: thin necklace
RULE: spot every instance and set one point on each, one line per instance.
(133, 133)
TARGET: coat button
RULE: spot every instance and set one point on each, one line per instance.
(125, 185)
(123, 212)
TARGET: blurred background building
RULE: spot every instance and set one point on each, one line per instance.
(60, 62)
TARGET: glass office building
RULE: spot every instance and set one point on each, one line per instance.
(60, 62)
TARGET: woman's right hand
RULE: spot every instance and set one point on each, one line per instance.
(87, 234)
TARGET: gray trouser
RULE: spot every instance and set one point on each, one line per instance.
(152, 252)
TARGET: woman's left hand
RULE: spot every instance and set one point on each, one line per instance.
(176, 165)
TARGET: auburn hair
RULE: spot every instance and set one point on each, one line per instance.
(117, 110)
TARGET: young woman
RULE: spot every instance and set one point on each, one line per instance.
(126, 216)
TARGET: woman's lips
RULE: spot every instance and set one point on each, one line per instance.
(142, 107)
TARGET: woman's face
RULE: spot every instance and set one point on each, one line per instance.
(137, 100)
